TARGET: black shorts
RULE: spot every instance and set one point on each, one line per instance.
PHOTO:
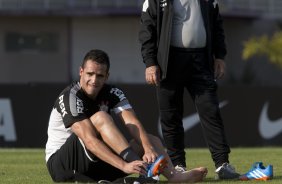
(72, 162)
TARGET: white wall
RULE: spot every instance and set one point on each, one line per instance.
(29, 66)
(118, 36)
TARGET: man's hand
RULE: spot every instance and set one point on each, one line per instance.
(219, 68)
(152, 75)
(150, 155)
(135, 167)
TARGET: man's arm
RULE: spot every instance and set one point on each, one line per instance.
(219, 44)
(148, 39)
(86, 132)
(148, 33)
(138, 132)
(219, 68)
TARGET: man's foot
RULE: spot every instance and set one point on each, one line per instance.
(191, 176)
(226, 171)
(180, 168)
(157, 167)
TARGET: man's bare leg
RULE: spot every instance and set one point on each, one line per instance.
(104, 126)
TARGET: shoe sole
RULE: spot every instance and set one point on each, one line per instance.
(258, 179)
(265, 178)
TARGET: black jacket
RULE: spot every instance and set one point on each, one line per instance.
(155, 32)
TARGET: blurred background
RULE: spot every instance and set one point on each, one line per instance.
(42, 43)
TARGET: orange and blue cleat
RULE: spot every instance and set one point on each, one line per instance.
(157, 167)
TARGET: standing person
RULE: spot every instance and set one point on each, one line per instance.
(183, 47)
(84, 144)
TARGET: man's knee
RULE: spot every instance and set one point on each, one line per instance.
(154, 139)
(100, 118)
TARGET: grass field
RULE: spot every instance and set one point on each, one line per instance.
(27, 166)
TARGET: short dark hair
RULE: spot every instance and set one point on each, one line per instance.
(98, 56)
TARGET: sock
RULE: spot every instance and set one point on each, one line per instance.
(129, 155)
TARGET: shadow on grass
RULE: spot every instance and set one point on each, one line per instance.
(277, 178)
(206, 180)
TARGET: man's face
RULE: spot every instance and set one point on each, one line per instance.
(92, 77)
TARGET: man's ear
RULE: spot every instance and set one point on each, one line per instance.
(108, 74)
(80, 71)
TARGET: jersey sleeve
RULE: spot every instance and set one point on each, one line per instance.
(120, 101)
(71, 108)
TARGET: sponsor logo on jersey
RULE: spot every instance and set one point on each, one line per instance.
(79, 105)
(104, 106)
(7, 124)
(118, 93)
(62, 105)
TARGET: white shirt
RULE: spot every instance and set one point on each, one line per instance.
(188, 30)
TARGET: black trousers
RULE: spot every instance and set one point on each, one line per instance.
(189, 69)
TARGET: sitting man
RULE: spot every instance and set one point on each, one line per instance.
(85, 145)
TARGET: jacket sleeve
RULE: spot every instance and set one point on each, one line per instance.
(148, 33)
(219, 46)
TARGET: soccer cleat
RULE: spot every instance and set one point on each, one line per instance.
(157, 167)
(258, 172)
(135, 180)
(226, 171)
(103, 181)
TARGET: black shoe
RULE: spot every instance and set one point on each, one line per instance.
(103, 181)
(227, 171)
(140, 180)
(136, 180)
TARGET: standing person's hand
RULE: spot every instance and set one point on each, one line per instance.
(152, 75)
(219, 68)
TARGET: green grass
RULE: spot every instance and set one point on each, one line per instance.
(20, 166)
(27, 166)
